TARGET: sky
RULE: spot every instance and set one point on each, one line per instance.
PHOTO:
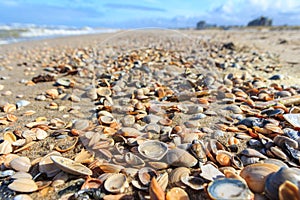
(147, 13)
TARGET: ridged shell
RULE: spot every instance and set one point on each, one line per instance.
(255, 175)
(23, 185)
(21, 164)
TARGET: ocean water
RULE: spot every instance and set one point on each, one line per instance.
(21, 32)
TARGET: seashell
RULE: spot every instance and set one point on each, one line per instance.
(116, 183)
(66, 144)
(134, 160)
(47, 166)
(249, 160)
(163, 181)
(70, 166)
(158, 165)
(155, 191)
(19, 175)
(289, 190)
(176, 175)
(9, 137)
(110, 168)
(84, 157)
(223, 157)
(278, 153)
(280, 141)
(22, 197)
(277, 162)
(293, 119)
(236, 162)
(153, 149)
(129, 132)
(274, 181)
(91, 183)
(6, 173)
(64, 82)
(180, 158)
(91, 93)
(26, 146)
(227, 188)
(274, 128)
(103, 91)
(22, 103)
(5, 147)
(255, 175)
(23, 185)
(197, 148)
(107, 120)
(52, 93)
(9, 108)
(210, 172)
(146, 174)
(11, 117)
(21, 164)
(128, 120)
(214, 145)
(196, 183)
(252, 153)
(40, 133)
(81, 124)
(177, 193)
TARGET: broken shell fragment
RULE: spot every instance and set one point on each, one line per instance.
(176, 193)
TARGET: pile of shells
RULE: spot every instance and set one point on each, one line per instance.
(156, 123)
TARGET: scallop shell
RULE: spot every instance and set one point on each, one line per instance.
(255, 175)
(153, 149)
(116, 183)
(70, 166)
(229, 189)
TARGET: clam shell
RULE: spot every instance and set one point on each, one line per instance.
(22, 197)
(163, 181)
(70, 166)
(9, 108)
(47, 166)
(19, 175)
(177, 193)
(223, 158)
(21, 164)
(289, 190)
(255, 175)
(146, 174)
(134, 160)
(111, 168)
(23, 185)
(293, 119)
(153, 149)
(116, 183)
(155, 191)
(274, 180)
(196, 183)
(176, 175)
(5, 147)
(22, 103)
(229, 189)
(103, 91)
(180, 158)
(210, 172)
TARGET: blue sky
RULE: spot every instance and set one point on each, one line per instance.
(147, 13)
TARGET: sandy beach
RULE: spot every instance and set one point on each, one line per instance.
(73, 95)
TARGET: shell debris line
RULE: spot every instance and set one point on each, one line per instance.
(144, 117)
